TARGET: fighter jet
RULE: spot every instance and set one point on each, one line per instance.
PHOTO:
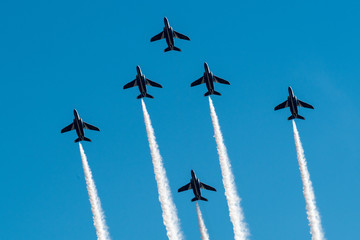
(78, 124)
(293, 103)
(209, 78)
(195, 185)
(169, 34)
(142, 81)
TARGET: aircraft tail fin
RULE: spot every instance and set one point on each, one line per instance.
(173, 48)
(196, 199)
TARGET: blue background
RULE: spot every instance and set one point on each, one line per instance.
(59, 55)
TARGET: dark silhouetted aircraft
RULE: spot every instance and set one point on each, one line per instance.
(195, 185)
(293, 103)
(142, 81)
(209, 78)
(169, 34)
(78, 124)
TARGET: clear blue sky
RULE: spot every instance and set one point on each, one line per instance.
(59, 55)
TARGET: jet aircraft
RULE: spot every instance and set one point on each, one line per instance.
(78, 124)
(169, 34)
(141, 81)
(293, 103)
(195, 185)
(209, 78)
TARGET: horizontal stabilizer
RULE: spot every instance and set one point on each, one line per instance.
(196, 199)
(84, 139)
(214, 92)
(300, 117)
(146, 95)
(291, 117)
(173, 48)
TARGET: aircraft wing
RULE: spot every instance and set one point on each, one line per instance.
(184, 188)
(90, 127)
(304, 104)
(207, 187)
(198, 82)
(158, 37)
(282, 105)
(68, 128)
(220, 80)
(180, 36)
(130, 84)
(153, 84)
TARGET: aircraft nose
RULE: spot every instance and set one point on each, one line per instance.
(75, 112)
(165, 20)
(290, 90)
(138, 69)
(206, 66)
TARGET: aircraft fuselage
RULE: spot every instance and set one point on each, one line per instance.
(79, 125)
(169, 34)
(292, 99)
(195, 185)
(209, 78)
(140, 78)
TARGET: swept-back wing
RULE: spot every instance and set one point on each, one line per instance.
(220, 80)
(180, 36)
(130, 84)
(90, 127)
(158, 37)
(198, 82)
(304, 104)
(153, 84)
(207, 187)
(184, 188)
(68, 128)
(282, 105)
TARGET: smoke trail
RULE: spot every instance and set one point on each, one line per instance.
(98, 214)
(233, 200)
(203, 230)
(308, 191)
(169, 212)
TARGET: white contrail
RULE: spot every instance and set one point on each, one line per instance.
(241, 231)
(98, 214)
(203, 231)
(169, 212)
(308, 191)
